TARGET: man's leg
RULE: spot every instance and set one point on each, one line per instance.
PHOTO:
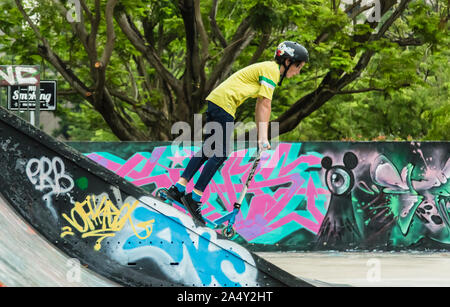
(193, 166)
(208, 172)
(219, 155)
(192, 201)
(176, 191)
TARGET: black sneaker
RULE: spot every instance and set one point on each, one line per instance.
(194, 208)
(174, 194)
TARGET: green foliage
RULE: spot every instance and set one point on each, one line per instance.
(410, 83)
(83, 124)
(411, 98)
(419, 112)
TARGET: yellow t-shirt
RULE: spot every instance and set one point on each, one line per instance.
(256, 80)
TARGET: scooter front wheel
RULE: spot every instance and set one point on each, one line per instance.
(228, 232)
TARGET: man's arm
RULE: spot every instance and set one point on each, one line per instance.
(262, 118)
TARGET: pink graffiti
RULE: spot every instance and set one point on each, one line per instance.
(264, 209)
(263, 214)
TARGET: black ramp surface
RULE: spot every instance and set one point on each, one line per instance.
(117, 229)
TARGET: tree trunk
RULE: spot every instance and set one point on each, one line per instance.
(119, 125)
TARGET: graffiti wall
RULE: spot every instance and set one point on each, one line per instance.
(112, 226)
(312, 196)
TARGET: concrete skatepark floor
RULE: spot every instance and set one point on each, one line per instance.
(367, 269)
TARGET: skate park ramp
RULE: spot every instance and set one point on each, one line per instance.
(59, 209)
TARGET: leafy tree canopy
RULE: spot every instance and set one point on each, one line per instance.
(129, 70)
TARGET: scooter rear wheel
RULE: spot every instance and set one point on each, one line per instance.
(161, 194)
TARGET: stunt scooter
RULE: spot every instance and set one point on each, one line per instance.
(228, 231)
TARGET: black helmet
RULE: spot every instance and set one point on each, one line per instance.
(295, 52)
(292, 51)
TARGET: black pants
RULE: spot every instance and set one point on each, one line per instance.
(215, 149)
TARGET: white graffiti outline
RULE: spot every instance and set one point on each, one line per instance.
(46, 174)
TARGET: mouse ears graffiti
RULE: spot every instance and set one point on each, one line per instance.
(339, 227)
(340, 179)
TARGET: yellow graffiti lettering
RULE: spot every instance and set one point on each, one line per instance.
(66, 231)
(103, 220)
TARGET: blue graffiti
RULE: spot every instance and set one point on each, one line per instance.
(206, 262)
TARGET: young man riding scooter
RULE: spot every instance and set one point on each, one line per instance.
(255, 81)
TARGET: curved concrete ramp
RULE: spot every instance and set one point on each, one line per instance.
(28, 260)
(114, 228)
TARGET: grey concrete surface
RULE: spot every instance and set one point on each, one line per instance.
(371, 269)
(28, 260)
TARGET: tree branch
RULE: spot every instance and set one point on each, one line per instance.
(205, 45)
(261, 46)
(242, 37)
(214, 27)
(148, 51)
(396, 14)
(408, 41)
(201, 30)
(369, 89)
(192, 68)
(86, 9)
(79, 28)
(323, 36)
(95, 23)
(29, 21)
(102, 64)
(363, 90)
(121, 127)
(360, 10)
(67, 92)
(110, 33)
(149, 115)
(352, 13)
(349, 9)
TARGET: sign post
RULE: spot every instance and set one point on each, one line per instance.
(37, 110)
